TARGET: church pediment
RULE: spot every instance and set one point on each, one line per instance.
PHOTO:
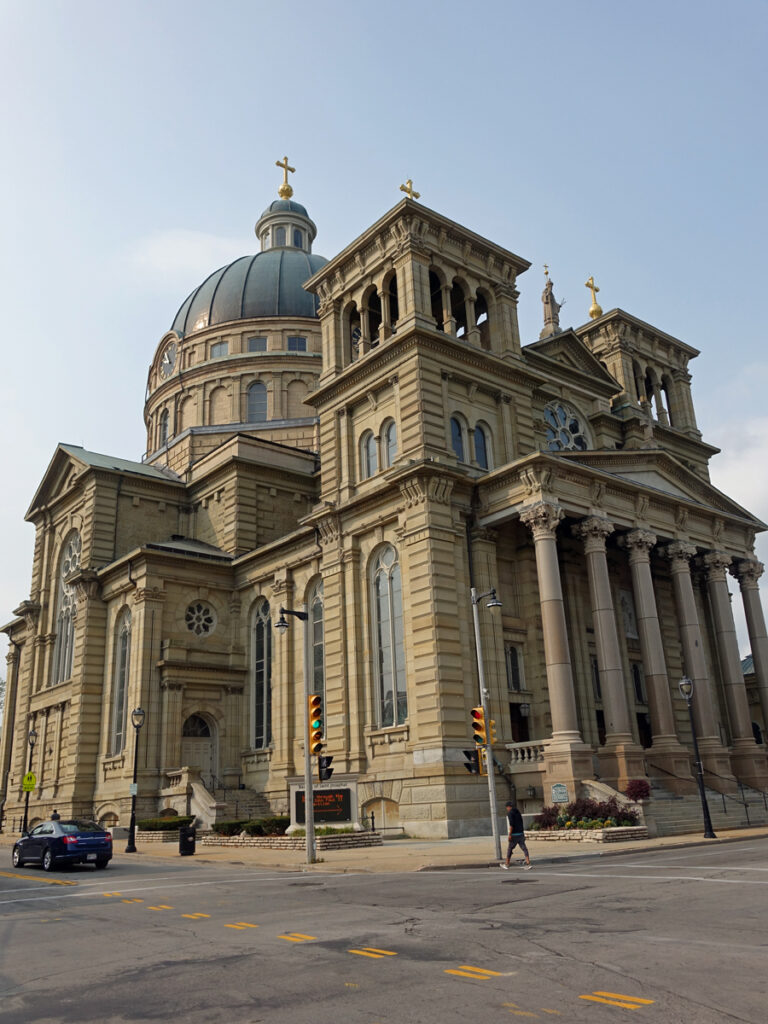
(569, 351)
(660, 472)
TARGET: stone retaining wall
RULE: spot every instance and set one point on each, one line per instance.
(343, 841)
(595, 835)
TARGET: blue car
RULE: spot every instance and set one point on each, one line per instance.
(64, 842)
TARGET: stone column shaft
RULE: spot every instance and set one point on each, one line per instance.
(730, 662)
(748, 572)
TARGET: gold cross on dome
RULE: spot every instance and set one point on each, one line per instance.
(409, 191)
(546, 270)
(595, 310)
(285, 191)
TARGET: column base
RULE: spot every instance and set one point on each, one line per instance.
(567, 760)
(716, 762)
(668, 761)
(750, 764)
(621, 761)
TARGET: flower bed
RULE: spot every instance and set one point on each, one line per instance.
(343, 841)
(592, 835)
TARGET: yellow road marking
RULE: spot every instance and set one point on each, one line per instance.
(33, 878)
(133, 901)
(616, 999)
(240, 925)
(160, 906)
(372, 952)
(112, 894)
(297, 937)
(481, 973)
(195, 915)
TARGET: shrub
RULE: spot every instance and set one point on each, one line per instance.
(585, 814)
(228, 828)
(638, 789)
(276, 825)
(163, 824)
(547, 818)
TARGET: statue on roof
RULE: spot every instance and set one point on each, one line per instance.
(551, 308)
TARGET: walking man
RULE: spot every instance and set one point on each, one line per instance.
(516, 837)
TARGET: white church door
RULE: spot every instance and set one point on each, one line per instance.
(198, 748)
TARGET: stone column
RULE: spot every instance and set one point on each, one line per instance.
(714, 756)
(287, 683)
(667, 753)
(748, 571)
(449, 322)
(747, 758)
(621, 759)
(568, 759)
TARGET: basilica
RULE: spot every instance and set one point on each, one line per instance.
(459, 520)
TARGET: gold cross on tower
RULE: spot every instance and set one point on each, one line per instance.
(285, 191)
(408, 189)
(546, 271)
(595, 310)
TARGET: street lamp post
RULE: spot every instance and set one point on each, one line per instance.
(492, 602)
(309, 799)
(31, 739)
(137, 720)
(686, 688)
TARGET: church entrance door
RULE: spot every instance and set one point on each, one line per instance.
(198, 748)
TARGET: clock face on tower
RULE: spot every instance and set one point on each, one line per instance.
(168, 360)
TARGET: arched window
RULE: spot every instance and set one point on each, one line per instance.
(316, 638)
(261, 676)
(163, 428)
(457, 438)
(257, 403)
(279, 236)
(121, 668)
(565, 430)
(66, 607)
(389, 446)
(482, 457)
(368, 460)
(298, 241)
(196, 727)
(388, 645)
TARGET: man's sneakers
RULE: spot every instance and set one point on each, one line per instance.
(527, 867)
(503, 866)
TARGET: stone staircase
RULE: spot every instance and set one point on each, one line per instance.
(233, 804)
(671, 815)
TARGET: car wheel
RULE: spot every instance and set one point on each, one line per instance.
(18, 860)
(102, 862)
(48, 861)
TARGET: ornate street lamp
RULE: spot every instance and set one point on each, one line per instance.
(686, 688)
(137, 720)
(492, 602)
(309, 798)
(31, 739)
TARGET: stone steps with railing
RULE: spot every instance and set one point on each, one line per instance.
(671, 814)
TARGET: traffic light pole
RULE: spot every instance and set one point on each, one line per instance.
(488, 748)
(309, 795)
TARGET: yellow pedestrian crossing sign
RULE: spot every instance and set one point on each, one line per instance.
(29, 782)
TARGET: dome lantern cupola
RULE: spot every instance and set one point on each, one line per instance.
(285, 224)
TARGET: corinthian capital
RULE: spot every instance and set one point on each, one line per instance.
(542, 519)
(638, 543)
(679, 553)
(715, 563)
(594, 532)
(747, 571)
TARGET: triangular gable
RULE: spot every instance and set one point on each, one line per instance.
(568, 350)
(70, 461)
(659, 471)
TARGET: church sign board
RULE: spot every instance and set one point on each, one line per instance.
(331, 805)
(559, 793)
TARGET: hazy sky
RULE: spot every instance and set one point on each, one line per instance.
(140, 139)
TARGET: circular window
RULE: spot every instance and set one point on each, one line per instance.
(565, 432)
(200, 619)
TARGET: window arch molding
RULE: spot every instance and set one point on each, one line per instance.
(482, 445)
(457, 426)
(256, 402)
(369, 463)
(261, 674)
(66, 608)
(388, 645)
(388, 435)
(121, 667)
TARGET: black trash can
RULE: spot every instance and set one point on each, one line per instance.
(187, 838)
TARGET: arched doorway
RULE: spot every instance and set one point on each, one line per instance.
(198, 747)
(386, 813)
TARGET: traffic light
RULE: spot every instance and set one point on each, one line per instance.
(478, 727)
(472, 763)
(491, 730)
(315, 719)
(324, 764)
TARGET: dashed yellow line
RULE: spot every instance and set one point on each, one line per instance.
(160, 906)
(297, 937)
(195, 915)
(34, 878)
(479, 973)
(372, 951)
(133, 901)
(617, 999)
(241, 925)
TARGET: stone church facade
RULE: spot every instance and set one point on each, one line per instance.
(366, 439)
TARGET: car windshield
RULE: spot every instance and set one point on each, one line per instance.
(70, 827)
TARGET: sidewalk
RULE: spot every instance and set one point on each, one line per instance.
(397, 855)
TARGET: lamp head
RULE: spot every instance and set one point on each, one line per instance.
(686, 687)
(32, 737)
(525, 710)
(493, 601)
(137, 717)
(282, 623)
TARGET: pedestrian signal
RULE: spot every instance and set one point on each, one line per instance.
(478, 726)
(472, 763)
(324, 766)
(315, 719)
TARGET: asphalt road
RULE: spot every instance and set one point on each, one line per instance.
(672, 936)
